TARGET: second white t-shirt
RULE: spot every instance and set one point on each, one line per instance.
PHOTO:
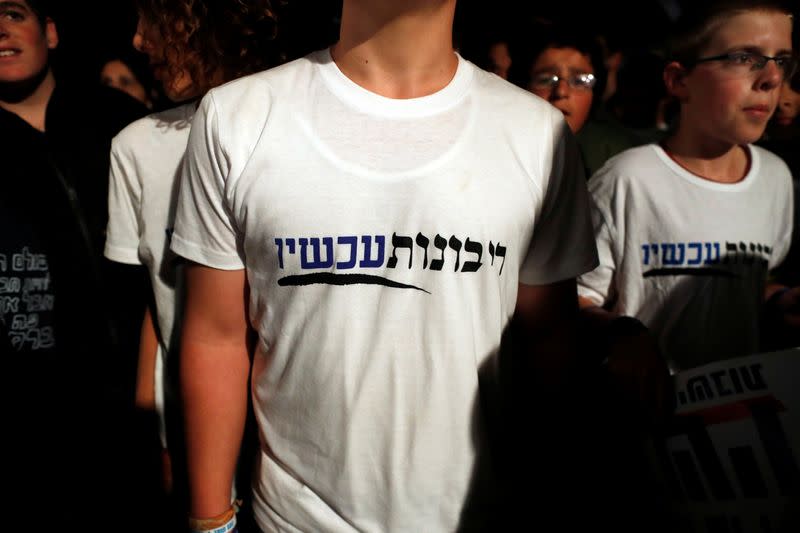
(146, 159)
(687, 256)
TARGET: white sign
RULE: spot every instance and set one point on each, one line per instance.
(732, 462)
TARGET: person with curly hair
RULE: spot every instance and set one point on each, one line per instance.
(192, 46)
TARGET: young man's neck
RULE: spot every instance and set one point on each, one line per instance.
(33, 107)
(397, 49)
(716, 161)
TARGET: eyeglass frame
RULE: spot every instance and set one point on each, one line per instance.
(758, 65)
(555, 80)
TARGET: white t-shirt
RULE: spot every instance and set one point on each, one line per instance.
(146, 158)
(384, 241)
(685, 255)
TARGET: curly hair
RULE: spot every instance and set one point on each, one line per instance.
(41, 9)
(215, 41)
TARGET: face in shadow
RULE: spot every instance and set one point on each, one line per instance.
(565, 78)
(117, 74)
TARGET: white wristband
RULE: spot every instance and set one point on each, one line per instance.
(228, 527)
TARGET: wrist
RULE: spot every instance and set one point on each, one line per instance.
(623, 327)
(773, 302)
(222, 523)
(620, 329)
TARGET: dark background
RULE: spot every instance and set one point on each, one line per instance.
(93, 29)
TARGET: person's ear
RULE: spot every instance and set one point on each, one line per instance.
(51, 33)
(675, 80)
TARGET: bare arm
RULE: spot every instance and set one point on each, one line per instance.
(215, 366)
(781, 325)
(634, 359)
(145, 387)
(537, 356)
(146, 367)
(544, 328)
(785, 301)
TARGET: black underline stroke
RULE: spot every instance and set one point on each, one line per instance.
(712, 272)
(329, 278)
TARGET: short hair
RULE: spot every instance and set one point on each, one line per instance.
(41, 9)
(699, 20)
(553, 36)
(216, 40)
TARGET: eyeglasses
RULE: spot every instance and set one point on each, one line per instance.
(547, 80)
(745, 63)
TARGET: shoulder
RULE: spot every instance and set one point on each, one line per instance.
(533, 130)
(155, 131)
(627, 171)
(633, 159)
(770, 162)
(238, 112)
(262, 88)
(506, 100)
(775, 178)
(628, 165)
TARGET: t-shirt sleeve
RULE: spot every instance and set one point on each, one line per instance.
(598, 285)
(124, 202)
(562, 245)
(205, 230)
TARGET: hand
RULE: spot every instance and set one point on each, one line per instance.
(639, 371)
(781, 327)
(787, 306)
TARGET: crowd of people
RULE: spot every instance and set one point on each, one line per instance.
(405, 282)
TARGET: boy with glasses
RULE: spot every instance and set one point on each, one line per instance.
(689, 230)
(567, 69)
(563, 71)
